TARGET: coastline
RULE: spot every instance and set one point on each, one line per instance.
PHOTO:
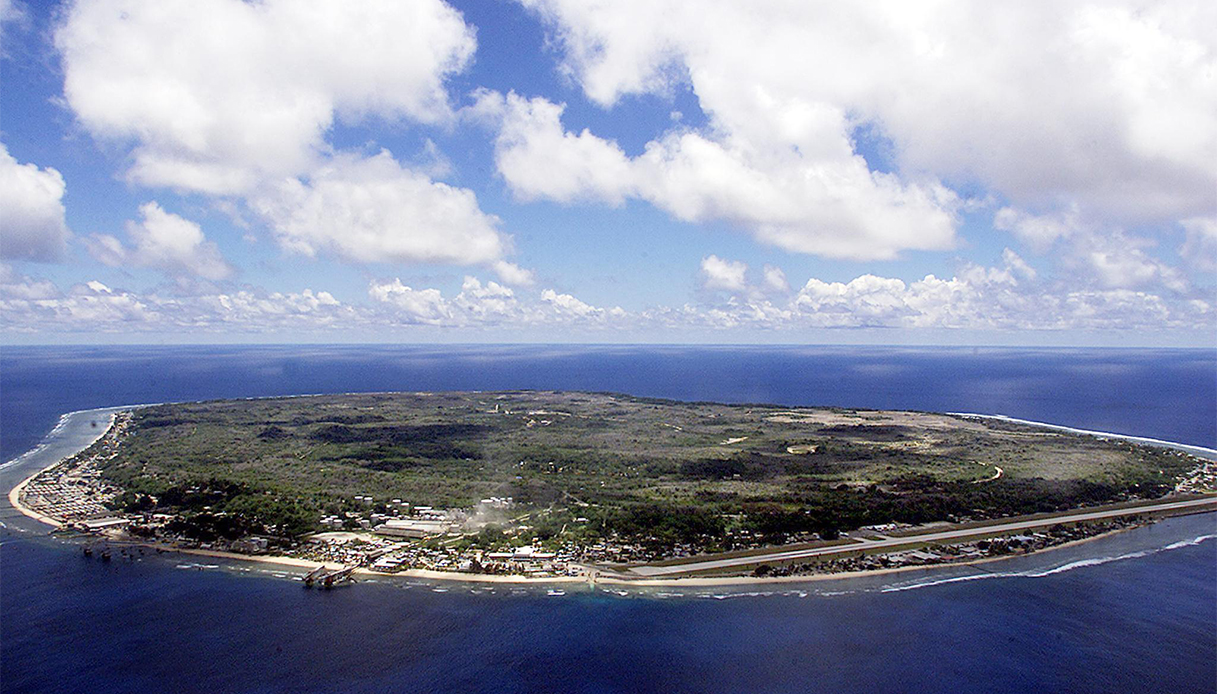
(14, 494)
(1201, 451)
(63, 419)
(447, 576)
(691, 582)
(14, 500)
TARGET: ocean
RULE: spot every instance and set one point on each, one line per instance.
(1136, 611)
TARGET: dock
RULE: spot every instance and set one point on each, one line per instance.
(328, 578)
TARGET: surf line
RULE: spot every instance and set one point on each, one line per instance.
(1043, 573)
(1090, 432)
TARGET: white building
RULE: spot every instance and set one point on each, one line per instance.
(411, 528)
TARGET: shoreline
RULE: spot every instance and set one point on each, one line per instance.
(690, 582)
(14, 500)
(1185, 447)
(63, 419)
(14, 494)
(451, 576)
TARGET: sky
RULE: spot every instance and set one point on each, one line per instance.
(697, 171)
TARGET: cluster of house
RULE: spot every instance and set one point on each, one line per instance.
(382, 542)
(388, 542)
(73, 495)
(405, 520)
(387, 554)
(401, 519)
(963, 551)
(346, 548)
(73, 492)
(1202, 479)
(527, 561)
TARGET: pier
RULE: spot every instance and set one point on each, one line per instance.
(328, 578)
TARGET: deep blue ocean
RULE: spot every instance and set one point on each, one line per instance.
(1135, 612)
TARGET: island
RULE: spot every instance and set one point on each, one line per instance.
(598, 486)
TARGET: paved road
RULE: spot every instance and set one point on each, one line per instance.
(940, 536)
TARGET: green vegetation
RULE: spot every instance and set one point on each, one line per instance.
(588, 465)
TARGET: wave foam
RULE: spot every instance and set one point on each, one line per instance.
(1064, 568)
(1203, 451)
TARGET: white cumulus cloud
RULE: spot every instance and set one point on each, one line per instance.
(820, 199)
(238, 99)
(1007, 297)
(1121, 261)
(32, 223)
(1102, 108)
(1039, 231)
(568, 305)
(542, 161)
(29, 305)
(217, 95)
(164, 241)
(729, 275)
(374, 210)
(486, 304)
(775, 279)
(1107, 255)
(1011, 296)
(513, 274)
(1200, 247)
(415, 305)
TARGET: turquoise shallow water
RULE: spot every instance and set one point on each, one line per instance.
(1136, 611)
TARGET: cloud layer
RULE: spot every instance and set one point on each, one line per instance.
(1010, 297)
(932, 134)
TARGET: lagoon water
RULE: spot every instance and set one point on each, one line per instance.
(1132, 612)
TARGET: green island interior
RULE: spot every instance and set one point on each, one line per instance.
(586, 467)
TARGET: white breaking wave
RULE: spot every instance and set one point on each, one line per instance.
(63, 422)
(1090, 432)
(1041, 573)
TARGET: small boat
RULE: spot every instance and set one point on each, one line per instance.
(105, 555)
(88, 551)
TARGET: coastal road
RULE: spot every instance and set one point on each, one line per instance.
(1208, 503)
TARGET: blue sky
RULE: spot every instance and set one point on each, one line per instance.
(651, 171)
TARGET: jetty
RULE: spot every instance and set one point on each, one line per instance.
(328, 578)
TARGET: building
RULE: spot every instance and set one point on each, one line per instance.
(411, 528)
(104, 523)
